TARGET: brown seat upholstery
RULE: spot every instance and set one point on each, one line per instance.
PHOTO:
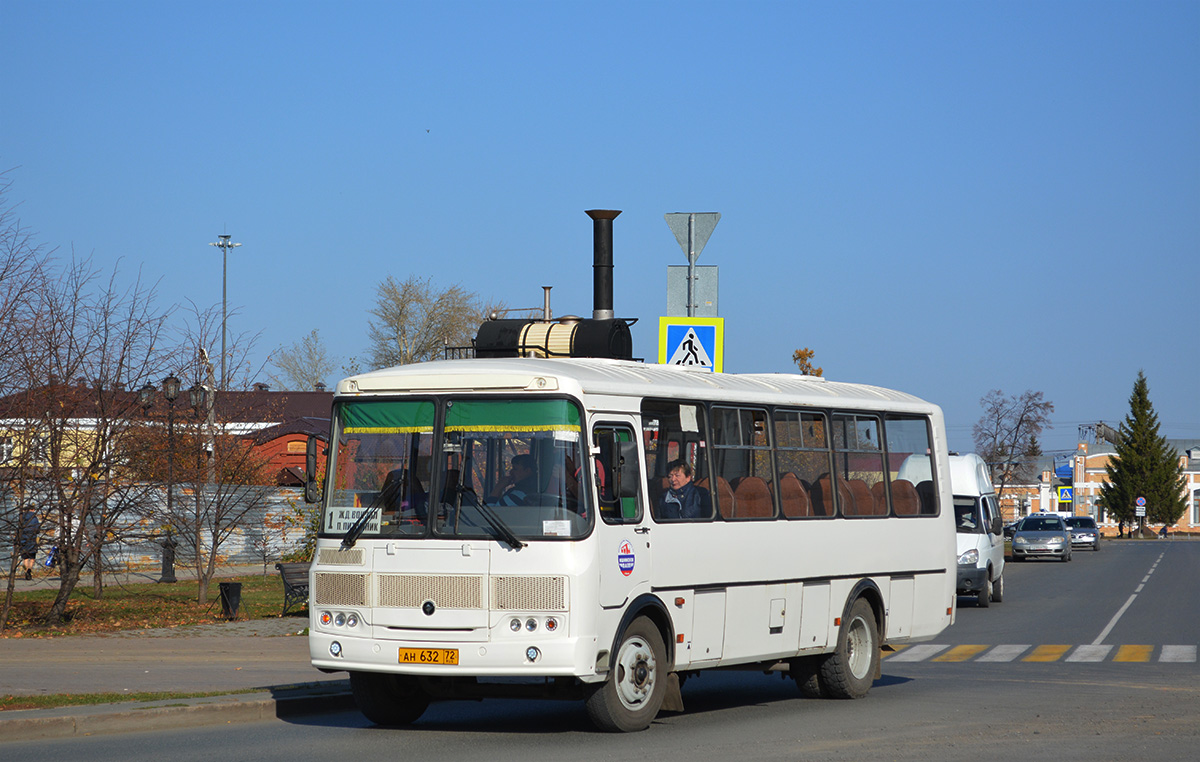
(879, 493)
(826, 492)
(752, 498)
(905, 499)
(723, 496)
(793, 498)
(862, 501)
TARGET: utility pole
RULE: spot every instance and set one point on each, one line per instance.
(225, 245)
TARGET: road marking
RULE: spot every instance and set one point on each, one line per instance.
(961, 653)
(1113, 622)
(1178, 654)
(1134, 653)
(918, 653)
(1047, 653)
(1004, 653)
(1089, 653)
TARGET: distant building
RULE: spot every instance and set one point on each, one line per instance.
(1085, 474)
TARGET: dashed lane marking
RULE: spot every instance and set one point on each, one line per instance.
(1174, 654)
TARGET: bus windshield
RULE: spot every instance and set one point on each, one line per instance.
(502, 468)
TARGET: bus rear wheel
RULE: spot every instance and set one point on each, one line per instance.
(630, 698)
(386, 699)
(850, 670)
(806, 672)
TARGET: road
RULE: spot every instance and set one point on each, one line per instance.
(1088, 660)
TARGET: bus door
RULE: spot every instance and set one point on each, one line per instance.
(623, 531)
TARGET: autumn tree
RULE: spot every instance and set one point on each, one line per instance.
(85, 338)
(228, 479)
(803, 359)
(302, 365)
(1007, 432)
(1144, 466)
(413, 321)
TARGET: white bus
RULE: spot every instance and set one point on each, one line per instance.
(502, 528)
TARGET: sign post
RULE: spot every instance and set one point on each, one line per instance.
(692, 230)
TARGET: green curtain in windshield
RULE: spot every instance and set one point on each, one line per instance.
(512, 415)
(386, 417)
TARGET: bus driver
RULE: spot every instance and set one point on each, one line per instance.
(683, 500)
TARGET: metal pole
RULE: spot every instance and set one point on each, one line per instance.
(691, 305)
(225, 245)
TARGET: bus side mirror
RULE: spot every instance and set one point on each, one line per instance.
(997, 525)
(312, 490)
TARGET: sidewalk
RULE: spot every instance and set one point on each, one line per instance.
(269, 656)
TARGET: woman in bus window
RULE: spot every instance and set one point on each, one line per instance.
(683, 500)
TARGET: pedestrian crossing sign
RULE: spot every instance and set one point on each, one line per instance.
(693, 342)
(1065, 494)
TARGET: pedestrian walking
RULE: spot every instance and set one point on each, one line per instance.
(27, 534)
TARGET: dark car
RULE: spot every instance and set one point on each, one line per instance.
(1084, 533)
(1042, 535)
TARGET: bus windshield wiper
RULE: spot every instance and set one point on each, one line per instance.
(493, 520)
(360, 524)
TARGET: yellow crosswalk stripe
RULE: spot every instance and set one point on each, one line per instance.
(1047, 653)
(961, 653)
(1134, 653)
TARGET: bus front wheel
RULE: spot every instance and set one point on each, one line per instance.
(630, 698)
(849, 671)
(388, 699)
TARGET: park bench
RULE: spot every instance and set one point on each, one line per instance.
(295, 583)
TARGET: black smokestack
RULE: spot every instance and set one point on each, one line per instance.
(602, 253)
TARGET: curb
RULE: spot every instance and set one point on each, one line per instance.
(104, 719)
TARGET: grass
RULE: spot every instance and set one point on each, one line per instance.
(12, 703)
(133, 607)
(140, 606)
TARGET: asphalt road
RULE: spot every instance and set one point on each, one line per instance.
(1087, 660)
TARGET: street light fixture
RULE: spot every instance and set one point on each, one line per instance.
(170, 391)
(225, 245)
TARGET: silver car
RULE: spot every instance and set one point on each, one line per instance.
(1042, 535)
(1084, 533)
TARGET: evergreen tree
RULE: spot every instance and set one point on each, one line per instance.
(1144, 466)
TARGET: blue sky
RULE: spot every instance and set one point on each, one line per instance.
(943, 198)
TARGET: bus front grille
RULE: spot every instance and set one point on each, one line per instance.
(446, 591)
(336, 557)
(339, 589)
(529, 593)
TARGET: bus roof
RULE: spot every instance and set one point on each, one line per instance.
(624, 378)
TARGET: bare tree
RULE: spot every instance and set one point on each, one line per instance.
(302, 365)
(413, 321)
(1006, 434)
(228, 478)
(83, 340)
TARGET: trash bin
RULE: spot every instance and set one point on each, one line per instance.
(231, 598)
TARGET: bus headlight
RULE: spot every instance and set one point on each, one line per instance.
(352, 620)
(531, 624)
(326, 618)
(515, 625)
(970, 558)
(551, 624)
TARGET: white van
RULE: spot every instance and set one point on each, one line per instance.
(980, 530)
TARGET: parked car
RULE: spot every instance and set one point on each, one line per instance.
(1010, 528)
(1084, 533)
(1042, 535)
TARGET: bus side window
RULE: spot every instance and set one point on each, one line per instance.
(617, 474)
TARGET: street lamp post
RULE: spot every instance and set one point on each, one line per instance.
(225, 245)
(170, 390)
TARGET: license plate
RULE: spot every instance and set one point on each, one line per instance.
(429, 656)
